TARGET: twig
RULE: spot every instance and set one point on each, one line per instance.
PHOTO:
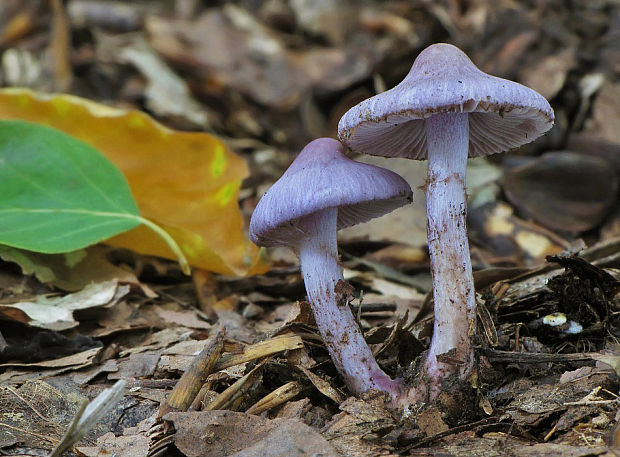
(591, 402)
(534, 357)
(88, 415)
(452, 431)
(192, 380)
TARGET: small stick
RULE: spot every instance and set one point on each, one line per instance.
(551, 432)
(235, 390)
(258, 350)
(534, 357)
(192, 380)
(279, 396)
(88, 415)
(591, 402)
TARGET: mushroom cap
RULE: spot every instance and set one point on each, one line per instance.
(323, 177)
(503, 114)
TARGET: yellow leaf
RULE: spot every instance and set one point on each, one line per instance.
(187, 182)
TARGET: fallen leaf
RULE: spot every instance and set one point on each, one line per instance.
(465, 445)
(606, 112)
(39, 421)
(72, 270)
(400, 257)
(564, 190)
(431, 421)
(185, 182)
(46, 345)
(110, 444)
(60, 197)
(227, 433)
(244, 55)
(593, 145)
(383, 286)
(513, 50)
(167, 94)
(497, 228)
(78, 360)
(548, 75)
(352, 431)
(138, 365)
(322, 385)
(159, 340)
(187, 318)
(56, 313)
(124, 317)
(18, 19)
(406, 225)
(87, 375)
(610, 359)
(540, 401)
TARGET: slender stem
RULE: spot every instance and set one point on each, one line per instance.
(447, 136)
(174, 247)
(318, 255)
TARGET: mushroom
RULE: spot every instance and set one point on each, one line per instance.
(321, 192)
(445, 110)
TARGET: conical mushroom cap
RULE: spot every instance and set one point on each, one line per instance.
(323, 177)
(503, 114)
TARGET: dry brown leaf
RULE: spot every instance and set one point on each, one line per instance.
(74, 270)
(56, 313)
(352, 431)
(322, 385)
(563, 191)
(466, 445)
(110, 444)
(606, 112)
(406, 225)
(187, 318)
(431, 421)
(75, 360)
(548, 75)
(35, 413)
(227, 433)
(244, 55)
(498, 229)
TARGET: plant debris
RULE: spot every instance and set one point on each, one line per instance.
(230, 364)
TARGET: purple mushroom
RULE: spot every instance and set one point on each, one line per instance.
(321, 192)
(446, 110)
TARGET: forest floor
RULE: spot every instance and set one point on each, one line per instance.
(268, 77)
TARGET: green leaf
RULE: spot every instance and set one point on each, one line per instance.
(58, 194)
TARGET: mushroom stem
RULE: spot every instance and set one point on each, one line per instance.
(318, 256)
(447, 136)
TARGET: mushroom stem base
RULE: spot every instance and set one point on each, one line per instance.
(451, 349)
(322, 273)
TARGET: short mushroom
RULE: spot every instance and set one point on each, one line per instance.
(446, 110)
(321, 192)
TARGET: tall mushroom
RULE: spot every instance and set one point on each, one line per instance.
(446, 110)
(321, 192)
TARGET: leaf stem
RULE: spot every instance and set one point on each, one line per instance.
(174, 247)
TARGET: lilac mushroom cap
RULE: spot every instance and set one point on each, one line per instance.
(323, 177)
(502, 114)
(321, 192)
